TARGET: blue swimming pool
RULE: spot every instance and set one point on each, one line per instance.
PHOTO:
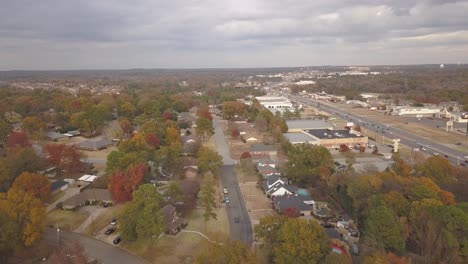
(302, 191)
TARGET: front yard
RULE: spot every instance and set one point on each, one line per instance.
(65, 219)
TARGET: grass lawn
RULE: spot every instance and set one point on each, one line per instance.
(54, 197)
(210, 143)
(182, 248)
(217, 227)
(246, 176)
(104, 219)
(67, 220)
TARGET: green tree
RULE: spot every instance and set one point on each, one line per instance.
(167, 160)
(302, 241)
(207, 198)
(209, 160)
(230, 252)
(305, 161)
(127, 110)
(5, 129)
(335, 258)
(174, 190)
(204, 128)
(384, 226)
(18, 160)
(142, 217)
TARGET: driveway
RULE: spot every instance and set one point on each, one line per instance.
(94, 212)
(236, 208)
(69, 192)
(101, 251)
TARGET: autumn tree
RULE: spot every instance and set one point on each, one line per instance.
(28, 213)
(18, 139)
(438, 169)
(35, 184)
(292, 240)
(64, 157)
(204, 112)
(384, 226)
(229, 252)
(8, 236)
(126, 109)
(235, 133)
(152, 140)
(126, 126)
(167, 160)
(142, 218)
(209, 160)
(207, 198)
(173, 136)
(34, 126)
(123, 184)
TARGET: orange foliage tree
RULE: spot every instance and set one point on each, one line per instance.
(123, 184)
(64, 157)
(35, 184)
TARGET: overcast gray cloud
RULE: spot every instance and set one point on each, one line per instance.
(58, 34)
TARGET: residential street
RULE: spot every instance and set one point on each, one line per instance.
(103, 252)
(236, 207)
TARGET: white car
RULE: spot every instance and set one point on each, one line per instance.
(225, 191)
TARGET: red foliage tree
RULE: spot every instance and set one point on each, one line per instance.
(64, 157)
(245, 155)
(204, 111)
(123, 184)
(292, 212)
(152, 140)
(167, 115)
(235, 133)
(344, 148)
(18, 139)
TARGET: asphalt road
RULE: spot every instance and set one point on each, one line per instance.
(236, 207)
(96, 249)
(406, 138)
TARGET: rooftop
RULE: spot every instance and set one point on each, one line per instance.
(285, 202)
(331, 134)
(262, 147)
(306, 124)
(298, 137)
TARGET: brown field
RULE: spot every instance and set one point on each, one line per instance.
(65, 219)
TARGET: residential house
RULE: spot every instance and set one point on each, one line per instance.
(54, 136)
(72, 133)
(262, 149)
(59, 185)
(172, 222)
(288, 202)
(270, 181)
(267, 161)
(267, 170)
(280, 189)
(94, 145)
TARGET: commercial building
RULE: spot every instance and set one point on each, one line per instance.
(306, 124)
(415, 111)
(335, 138)
(275, 103)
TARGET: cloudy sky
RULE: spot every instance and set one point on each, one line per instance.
(96, 34)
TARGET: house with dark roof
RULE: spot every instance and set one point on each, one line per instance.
(270, 181)
(283, 203)
(59, 185)
(172, 222)
(95, 144)
(262, 149)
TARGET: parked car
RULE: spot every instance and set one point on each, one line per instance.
(114, 221)
(225, 191)
(117, 240)
(226, 200)
(110, 230)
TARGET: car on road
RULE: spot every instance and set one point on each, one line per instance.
(114, 221)
(423, 148)
(226, 199)
(110, 230)
(117, 240)
(225, 191)
(436, 153)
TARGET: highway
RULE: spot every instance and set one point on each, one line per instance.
(236, 207)
(406, 138)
